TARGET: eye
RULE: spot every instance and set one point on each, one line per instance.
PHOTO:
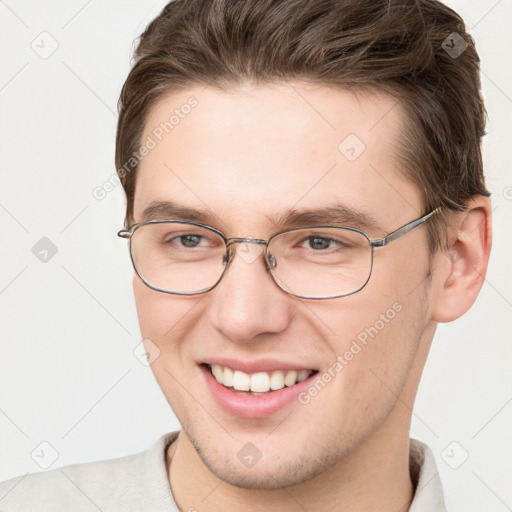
(319, 242)
(181, 240)
(190, 240)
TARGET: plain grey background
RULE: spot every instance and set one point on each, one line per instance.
(72, 388)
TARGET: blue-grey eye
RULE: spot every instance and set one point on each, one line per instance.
(190, 240)
(316, 242)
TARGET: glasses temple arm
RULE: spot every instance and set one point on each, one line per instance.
(381, 242)
(124, 233)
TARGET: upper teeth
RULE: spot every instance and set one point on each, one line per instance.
(259, 382)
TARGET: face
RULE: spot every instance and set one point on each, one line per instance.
(245, 159)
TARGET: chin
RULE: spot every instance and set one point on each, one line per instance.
(268, 473)
(266, 478)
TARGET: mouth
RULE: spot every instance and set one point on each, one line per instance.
(258, 383)
(255, 395)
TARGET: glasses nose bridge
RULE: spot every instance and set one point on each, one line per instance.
(256, 241)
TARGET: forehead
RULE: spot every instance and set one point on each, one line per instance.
(263, 150)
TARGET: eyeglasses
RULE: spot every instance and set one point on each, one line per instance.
(312, 262)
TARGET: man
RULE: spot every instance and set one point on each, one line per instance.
(305, 203)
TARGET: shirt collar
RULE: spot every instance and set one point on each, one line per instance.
(428, 495)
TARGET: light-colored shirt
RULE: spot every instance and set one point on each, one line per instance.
(139, 483)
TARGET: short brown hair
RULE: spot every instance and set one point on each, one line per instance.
(398, 46)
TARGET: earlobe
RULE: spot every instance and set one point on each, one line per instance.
(463, 263)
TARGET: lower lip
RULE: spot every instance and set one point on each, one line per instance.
(252, 406)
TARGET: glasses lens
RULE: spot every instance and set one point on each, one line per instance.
(178, 257)
(321, 262)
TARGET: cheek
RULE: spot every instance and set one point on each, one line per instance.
(373, 335)
(158, 312)
(164, 322)
(377, 334)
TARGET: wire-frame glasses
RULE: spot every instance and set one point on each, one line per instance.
(309, 262)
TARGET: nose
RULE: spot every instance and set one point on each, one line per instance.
(247, 302)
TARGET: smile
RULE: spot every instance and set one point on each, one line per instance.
(259, 382)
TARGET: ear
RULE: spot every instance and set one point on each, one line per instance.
(462, 265)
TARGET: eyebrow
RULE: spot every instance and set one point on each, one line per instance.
(335, 214)
(163, 210)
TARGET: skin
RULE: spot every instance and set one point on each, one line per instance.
(255, 153)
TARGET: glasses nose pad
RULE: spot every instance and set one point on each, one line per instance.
(228, 255)
(272, 263)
